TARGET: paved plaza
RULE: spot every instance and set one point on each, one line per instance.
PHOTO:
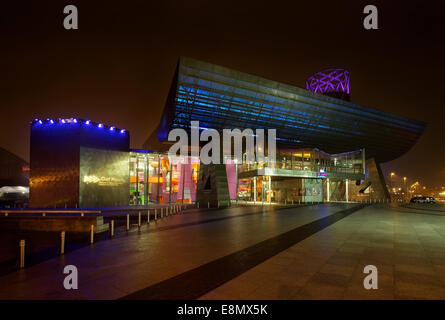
(255, 252)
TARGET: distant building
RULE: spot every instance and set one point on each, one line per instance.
(14, 180)
(14, 171)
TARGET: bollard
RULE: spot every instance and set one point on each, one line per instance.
(139, 219)
(128, 222)
(162, 213)
(208, 204)
(43, 214)
(156, 214)
(112, 228)
(148, 215)
(81, 214)
(22, 253)
(197, 205)
(292, 201)
(92, 234)
(62, 242)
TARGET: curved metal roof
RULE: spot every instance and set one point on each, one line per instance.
(222, 98)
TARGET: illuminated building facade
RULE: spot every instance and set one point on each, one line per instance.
(78, 163)
(158, 178)
(328, 149)
(319, 118)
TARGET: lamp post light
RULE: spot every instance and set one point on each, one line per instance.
(392, 182)
(404, 182)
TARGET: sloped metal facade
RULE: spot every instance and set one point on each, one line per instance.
(222, 98)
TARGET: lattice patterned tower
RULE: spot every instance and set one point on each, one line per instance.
(332, 82)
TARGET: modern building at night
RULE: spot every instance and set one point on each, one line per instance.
(328, 149)
(318, 132)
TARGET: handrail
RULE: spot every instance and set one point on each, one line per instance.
(50, 211)
(156, 206)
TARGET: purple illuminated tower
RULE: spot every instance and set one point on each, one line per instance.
(332, 82)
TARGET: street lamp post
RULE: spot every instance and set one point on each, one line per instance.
(406, 190)
(392, 182)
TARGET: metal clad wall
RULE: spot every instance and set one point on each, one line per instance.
(104, 178)
(54, 178)
(64, 153)
(102, 138)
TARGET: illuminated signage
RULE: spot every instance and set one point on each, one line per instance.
(321, 174)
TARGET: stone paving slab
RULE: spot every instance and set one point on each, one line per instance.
(115, 268)
(407, 249)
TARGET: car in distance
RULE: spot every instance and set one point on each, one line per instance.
(422, 200)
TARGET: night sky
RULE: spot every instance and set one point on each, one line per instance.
(118, 66)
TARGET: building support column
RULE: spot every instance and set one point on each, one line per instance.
(347, 190)
(158, 187)
(183, 177)
(327, 190)
(270, 190)
(170, 180)
(254, 190)
(237, 182)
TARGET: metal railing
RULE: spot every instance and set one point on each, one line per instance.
(164, 211)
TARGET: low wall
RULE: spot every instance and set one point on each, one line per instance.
(51, 223)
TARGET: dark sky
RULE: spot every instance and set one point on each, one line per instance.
(117, 67)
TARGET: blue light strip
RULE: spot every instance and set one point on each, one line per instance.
(71, 121)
